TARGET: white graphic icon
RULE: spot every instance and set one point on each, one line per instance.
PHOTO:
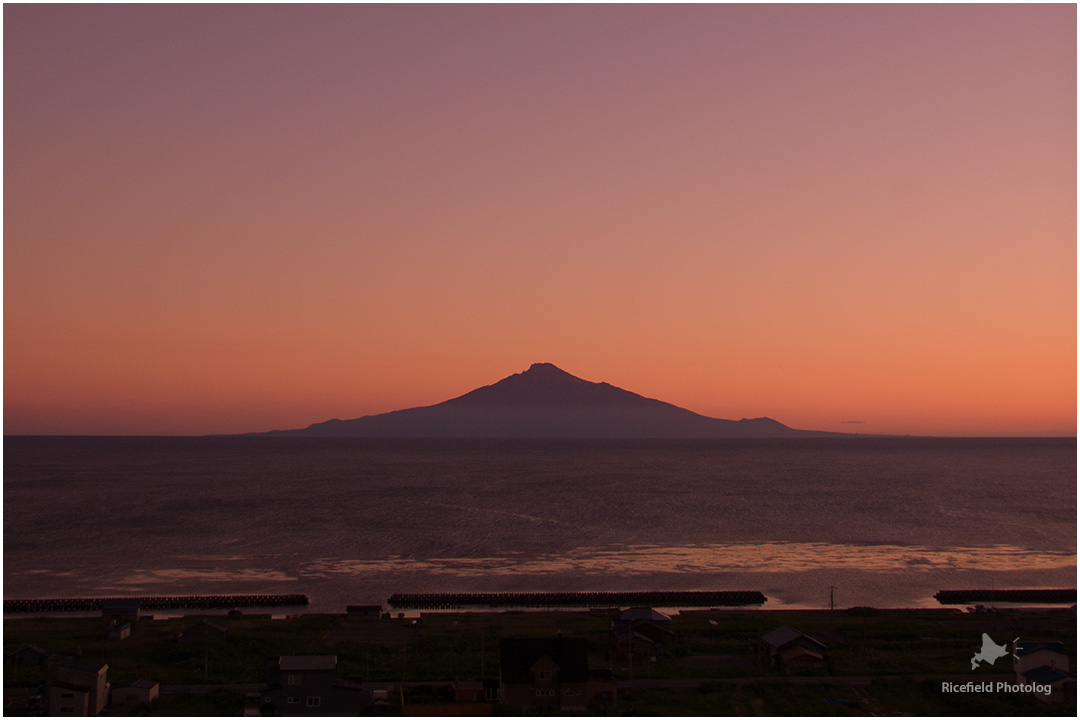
(989, 653)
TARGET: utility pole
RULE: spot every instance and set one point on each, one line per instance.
(832, 603)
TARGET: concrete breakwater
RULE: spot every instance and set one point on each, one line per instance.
(671, 599)
(1047, 596)
(154, 602)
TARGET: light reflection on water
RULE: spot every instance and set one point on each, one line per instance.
(624, 561)
(735, 557)
(790, 574)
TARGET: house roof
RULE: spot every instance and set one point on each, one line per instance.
(644, 613)
(1046, 674)
(1028, 647)
(517, 657)
(783, 636)
(289, 663)
(798, 651)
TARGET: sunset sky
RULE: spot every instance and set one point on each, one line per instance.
(241, 218)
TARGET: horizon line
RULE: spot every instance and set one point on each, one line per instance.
(270, 435)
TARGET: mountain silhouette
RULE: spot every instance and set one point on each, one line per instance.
(546, 402)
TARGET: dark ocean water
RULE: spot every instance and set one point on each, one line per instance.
(887, 521)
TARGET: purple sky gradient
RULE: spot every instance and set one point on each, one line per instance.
(236, 218)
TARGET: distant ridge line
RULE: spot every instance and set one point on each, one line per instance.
(547, 402)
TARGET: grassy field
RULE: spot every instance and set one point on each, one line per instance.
(723, 654)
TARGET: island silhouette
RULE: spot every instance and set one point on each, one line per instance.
(546, 402)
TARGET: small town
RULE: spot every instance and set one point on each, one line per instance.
(371, 660)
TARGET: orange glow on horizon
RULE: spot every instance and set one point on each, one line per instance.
(213, 225)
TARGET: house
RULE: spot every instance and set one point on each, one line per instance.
(307, 685)
(204, 631)
(1062, 684)
(642, 616)
(550, 674)
(30, 655)
(63, 698)
(1029, 655)
(1045, 663)
(639, 632)
(135, 693)
(793, 652)
(120, 632)
(75, 686)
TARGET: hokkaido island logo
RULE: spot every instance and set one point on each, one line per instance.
(989, 653)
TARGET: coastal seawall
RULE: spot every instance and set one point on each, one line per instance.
(154, 602)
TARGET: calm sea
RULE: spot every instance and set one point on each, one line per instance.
(886, 521)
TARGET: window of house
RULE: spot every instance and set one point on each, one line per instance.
(545, 693)
(545, 674)
(294, 701)
(294, 679)
(313, 701)
(66, 695)
(67, 710)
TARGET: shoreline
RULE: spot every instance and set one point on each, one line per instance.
(414, 604)
(331, 591)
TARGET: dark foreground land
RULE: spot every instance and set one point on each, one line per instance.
(879, 661)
